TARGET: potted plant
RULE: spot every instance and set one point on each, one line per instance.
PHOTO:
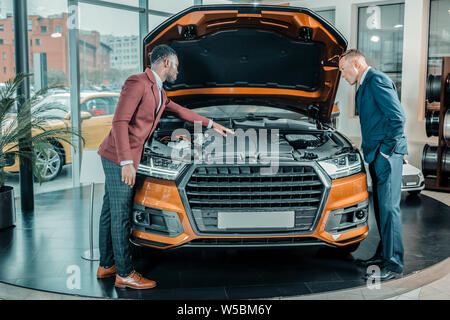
(15, 127)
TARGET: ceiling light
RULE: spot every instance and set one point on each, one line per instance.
(375, 38)
(398, 26)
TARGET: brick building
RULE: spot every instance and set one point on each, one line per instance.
(50, 35)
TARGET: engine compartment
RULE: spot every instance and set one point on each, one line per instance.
(255, 139)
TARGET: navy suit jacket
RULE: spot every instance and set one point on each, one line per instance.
(381, 116)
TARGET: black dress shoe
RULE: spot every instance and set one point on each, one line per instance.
(384, 275)
(375, 260)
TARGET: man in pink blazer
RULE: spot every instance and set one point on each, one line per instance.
(141, 104)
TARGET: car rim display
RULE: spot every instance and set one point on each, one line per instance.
(48, 164)
(432, 123)
(429, 160)
(446, 132)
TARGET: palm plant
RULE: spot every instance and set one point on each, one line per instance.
(16, 126)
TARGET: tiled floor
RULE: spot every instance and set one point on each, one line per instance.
(39, 252)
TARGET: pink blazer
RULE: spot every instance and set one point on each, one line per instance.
(135, 120)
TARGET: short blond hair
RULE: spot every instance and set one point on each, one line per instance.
(352, 53)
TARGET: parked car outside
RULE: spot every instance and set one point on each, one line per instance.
(97, 110)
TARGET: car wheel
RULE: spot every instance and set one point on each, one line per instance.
(49, 163)
(414, 193)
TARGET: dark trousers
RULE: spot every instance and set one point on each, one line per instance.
(386, 177)
(114, 229)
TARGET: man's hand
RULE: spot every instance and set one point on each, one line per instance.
(384, 155)
(221, 129)
(129, 174)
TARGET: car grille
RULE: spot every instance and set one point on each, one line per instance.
(247, 242)
(244, 189)
(410, 181)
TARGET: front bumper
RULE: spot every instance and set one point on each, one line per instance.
(167, 220)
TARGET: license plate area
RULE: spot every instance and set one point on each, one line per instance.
(250, 220)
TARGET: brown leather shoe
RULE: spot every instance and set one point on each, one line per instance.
(134, 281)
(105, 273)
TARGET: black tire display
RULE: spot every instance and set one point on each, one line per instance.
(430, 158)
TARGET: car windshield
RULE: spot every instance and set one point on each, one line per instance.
(243, 111)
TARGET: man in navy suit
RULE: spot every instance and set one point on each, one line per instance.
(382, 122)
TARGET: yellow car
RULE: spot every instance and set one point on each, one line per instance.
(97, 111)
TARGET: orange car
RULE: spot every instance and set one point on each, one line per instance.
(97, 110)
(251, 68)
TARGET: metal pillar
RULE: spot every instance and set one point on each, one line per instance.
(22, 66)
(143, 30)
(74, 89)
(40, 71)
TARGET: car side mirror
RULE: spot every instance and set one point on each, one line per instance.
(83, 115)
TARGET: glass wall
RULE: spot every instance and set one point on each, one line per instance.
(48, 57)
(154, 21)
(329, 15)
(380, 38)
(172, 6)
(438, 38)
(7, 64)
(109, 51)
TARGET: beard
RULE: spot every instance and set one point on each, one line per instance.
(172, 75)
(171, 78)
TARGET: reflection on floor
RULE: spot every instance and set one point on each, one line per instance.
(43, 252)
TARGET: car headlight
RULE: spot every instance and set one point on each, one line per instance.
(163, 168)
(343, 165)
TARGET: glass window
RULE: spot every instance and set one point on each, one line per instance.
(438, 39)
(154, 21)
(380, 38)
(94, 75)
(7, 63)
(134, 3)
(439, 35)
(2, 27)
(172, 6)
(58, 29)
(43, 15)
(329, 15)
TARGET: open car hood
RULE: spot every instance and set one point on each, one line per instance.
(280, 56)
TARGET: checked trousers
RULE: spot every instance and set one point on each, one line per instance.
(114, 228)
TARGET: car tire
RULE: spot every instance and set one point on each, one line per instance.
(50, 165)
(414, 193)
